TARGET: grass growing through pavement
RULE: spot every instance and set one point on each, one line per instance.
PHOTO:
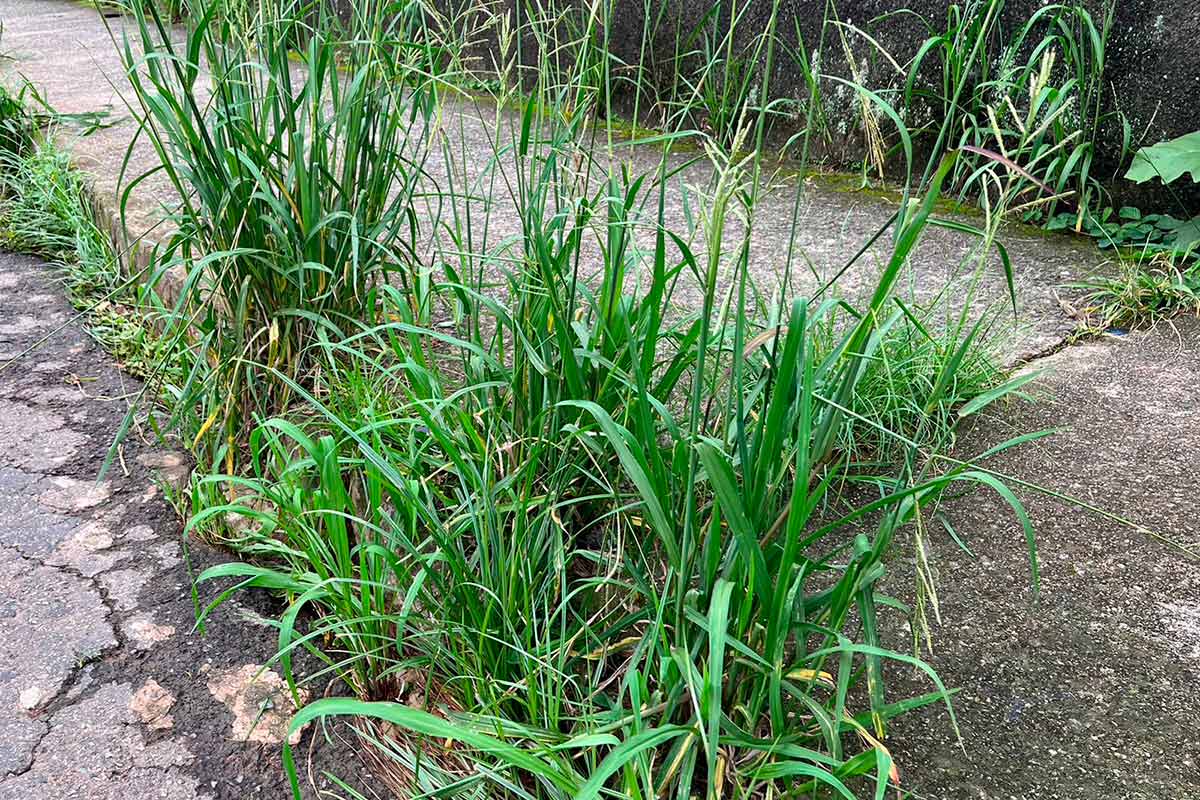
(519, 496)
(45, 211)
(1143, 292)
(297, 184)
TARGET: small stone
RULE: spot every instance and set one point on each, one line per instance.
(172, 467)
(261, 704)
(239, 524)
(30, 698)
(161, 460)
(93, 537)
(139, 533)
(124, 586)
(88, 550)
(69, 494)
(143, 633)
(152, 705)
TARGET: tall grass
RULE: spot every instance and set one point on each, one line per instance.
(561, 590)
(558, 534)
(977, 79)
(1037, 97)
(297, 184)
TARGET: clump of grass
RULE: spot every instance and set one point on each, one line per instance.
(516, 499)
(297, 184)
(1142, 293)
(45, 213)
(1035, 94)
(920, 371)
(564, 572)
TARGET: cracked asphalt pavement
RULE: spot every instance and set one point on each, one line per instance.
(106, 692)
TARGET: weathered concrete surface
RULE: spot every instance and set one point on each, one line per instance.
(1091, 690)
(104, 687)
(65, 51)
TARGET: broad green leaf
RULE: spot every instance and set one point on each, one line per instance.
(1167, 160)
(1185, 235)
(630, 749)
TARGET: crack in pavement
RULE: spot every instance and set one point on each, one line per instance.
(55, 627)
(95, 584)
(103, 723)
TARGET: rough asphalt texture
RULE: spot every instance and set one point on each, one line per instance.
(106, 693)
(1091, 691)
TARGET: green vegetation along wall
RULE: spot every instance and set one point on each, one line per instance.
(1126, 73)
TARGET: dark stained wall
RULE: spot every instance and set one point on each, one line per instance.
(1151, 77)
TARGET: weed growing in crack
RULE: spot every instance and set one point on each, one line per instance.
(1141, 293)
(45, 211)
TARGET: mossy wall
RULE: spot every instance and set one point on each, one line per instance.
(1151, 78)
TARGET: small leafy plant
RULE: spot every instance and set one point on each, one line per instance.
(1127, 228)
(1165, 280)
(1142, 293)
(1168, 162)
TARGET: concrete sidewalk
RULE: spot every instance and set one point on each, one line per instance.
(106, 692)
(1091, 691)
